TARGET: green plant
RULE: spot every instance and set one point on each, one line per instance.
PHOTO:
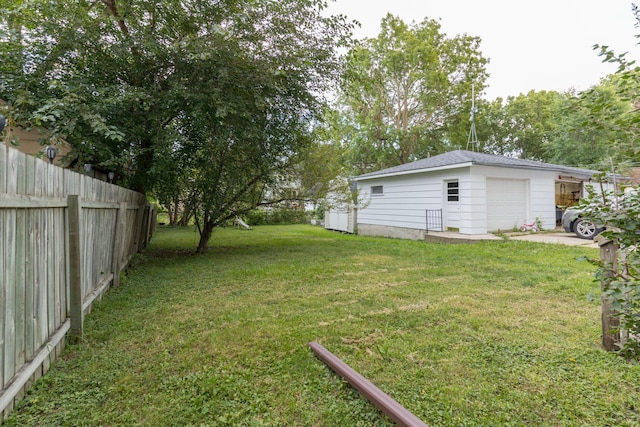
(619, 212)
(277, 216)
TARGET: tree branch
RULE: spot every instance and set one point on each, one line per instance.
(111, 5)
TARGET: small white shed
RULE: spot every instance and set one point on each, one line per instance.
(467, 192)
(341, 219)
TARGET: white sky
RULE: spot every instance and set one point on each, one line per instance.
(539, 45)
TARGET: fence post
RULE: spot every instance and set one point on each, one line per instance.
(610, 323)
(75, 267)
(116, 261)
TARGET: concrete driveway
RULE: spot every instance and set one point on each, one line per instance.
(561, 238)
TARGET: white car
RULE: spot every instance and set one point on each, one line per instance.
(572, 222)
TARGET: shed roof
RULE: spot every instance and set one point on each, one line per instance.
(467, 158)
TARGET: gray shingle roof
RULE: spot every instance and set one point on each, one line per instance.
(462, 156)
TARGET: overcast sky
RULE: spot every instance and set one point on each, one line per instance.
(540, 45)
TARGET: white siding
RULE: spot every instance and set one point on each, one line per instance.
(406, 198)
(473, 212)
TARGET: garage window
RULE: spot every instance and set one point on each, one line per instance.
(376, 190)
(453, 194)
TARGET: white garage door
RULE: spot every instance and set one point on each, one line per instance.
(506, 203)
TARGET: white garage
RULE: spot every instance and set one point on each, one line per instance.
(506, 203)
(467, 192)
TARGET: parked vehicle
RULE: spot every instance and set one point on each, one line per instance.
(572, 222)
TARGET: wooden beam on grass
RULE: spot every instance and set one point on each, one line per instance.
(383, 401)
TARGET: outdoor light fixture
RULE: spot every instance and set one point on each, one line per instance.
(87, 168)
(2, 122)
(111, 176)
(51, 153)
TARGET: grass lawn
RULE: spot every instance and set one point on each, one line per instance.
(491, 334)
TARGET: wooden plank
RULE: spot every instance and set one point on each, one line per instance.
(3, 168)
(25, 201)
(60, 268)
(31, 292)
(75, 267)
(43, 168)
(3, 250)
(59, 249)
(116, 263)
(20, 268)
(87, 230)
(99, 205)
(41, 262)
(9, 272)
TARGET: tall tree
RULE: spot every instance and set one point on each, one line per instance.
(402, 88)
(230, 87)
(530, 123)
(583, 134)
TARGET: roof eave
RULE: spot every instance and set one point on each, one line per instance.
(412, 171)
(583, 172)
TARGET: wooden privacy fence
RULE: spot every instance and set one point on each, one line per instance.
(64, 239)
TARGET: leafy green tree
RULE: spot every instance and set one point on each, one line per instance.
(614, 106)
(583, 135)
(619, 211)
(401, 89)
(519, 126)
(492, 128)
(530, 121)
(230, 87)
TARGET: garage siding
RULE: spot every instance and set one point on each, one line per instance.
(405, 199)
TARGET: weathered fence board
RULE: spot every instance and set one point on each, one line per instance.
(64, 240)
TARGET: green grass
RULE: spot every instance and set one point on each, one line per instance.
(491, 334)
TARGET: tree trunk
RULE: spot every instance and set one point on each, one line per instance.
(140, 180)
(187, 213)
(172, 210)
(205, 235)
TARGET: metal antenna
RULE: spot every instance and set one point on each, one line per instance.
(473, 138)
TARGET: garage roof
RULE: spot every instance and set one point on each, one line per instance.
(461, 158)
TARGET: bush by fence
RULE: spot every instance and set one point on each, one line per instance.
(277, 216)
(64, 239)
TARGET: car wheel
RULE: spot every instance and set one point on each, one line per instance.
(585, 229)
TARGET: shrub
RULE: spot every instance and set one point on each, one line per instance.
(277, 216)
(619, 212)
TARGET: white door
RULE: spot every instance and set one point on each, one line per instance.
(452, 204)
(506, 203)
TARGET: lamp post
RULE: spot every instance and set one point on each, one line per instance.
(2, 122)
(111, 176)
(87, 168)
(51, 153)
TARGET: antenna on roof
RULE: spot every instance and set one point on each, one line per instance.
(473, 138)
